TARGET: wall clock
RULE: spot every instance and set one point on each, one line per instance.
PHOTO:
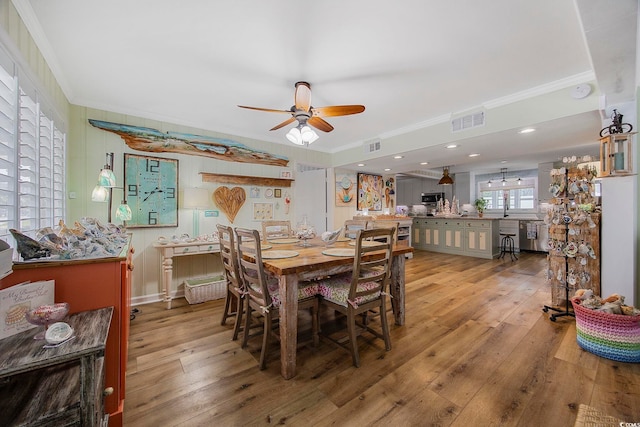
(151, 186)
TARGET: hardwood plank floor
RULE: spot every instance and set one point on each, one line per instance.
(476, 350)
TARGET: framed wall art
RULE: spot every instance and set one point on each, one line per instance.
(262, 211)
(345, 189)
(369, 192)
(151, 189)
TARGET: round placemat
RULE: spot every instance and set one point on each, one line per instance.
(283, 241)
(339, 252)
(367, 243)
(276, 254)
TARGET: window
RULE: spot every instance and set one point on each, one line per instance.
(517, 196)
(32, 153)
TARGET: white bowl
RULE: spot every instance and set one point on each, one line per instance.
(58, 332)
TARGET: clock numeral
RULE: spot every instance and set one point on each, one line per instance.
(132, 190)
(153, 165)
(153, 218)
(170, 193)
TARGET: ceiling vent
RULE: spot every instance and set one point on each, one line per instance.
(372, 146)
(467, 122)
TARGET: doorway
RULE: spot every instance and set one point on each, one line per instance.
(310, 192)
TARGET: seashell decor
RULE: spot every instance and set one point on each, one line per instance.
(88, 239)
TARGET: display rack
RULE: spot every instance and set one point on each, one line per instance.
(574, 238)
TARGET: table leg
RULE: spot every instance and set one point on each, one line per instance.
(397, 288)
(167, 277)
(288, 325)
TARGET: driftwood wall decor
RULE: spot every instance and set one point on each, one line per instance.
(229, 200)
(152, 140)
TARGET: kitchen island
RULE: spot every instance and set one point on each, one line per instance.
(470, 236)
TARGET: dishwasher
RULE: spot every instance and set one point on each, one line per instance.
(534, 236)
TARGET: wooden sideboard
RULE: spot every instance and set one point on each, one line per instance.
(90, 284)
(62, 385)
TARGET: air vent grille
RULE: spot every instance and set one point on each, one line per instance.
(372, 146)
(467, 122)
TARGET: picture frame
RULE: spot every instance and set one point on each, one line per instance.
(345, 188)
(262, 211)
(151, 190)
(369, 193)
(286, 174)
(277, 193)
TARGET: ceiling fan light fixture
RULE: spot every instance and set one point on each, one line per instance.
(294, 136)
(446, 179)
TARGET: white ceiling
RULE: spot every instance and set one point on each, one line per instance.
(410, 62)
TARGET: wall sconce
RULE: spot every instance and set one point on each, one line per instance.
(616, 154)
(196, 199)
(103, 191)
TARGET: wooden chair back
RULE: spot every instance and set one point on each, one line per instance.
(351, 227)
(250, 265)
(276, 230)
(387, 224)
(229, 256)
(372, 263)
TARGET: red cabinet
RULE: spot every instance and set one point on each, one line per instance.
(90, 284)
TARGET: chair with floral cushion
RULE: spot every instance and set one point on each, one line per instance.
(262, 292)
(364, 288)
(351, 227)
(272, 229)
(233, 303)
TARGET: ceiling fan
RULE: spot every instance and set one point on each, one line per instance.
(304, 113)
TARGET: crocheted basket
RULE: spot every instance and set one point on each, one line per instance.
(613, 336)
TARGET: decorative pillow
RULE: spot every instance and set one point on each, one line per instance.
(305, 290)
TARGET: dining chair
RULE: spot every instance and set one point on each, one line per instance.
(351, 227)
(262, 292)
(233, 303)
(272, 229)
(363, 289)
(386, 224)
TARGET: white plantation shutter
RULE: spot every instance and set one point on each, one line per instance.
(8, 181)
(28, 163)
(32, 157)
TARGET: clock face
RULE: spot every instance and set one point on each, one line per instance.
(151, 186)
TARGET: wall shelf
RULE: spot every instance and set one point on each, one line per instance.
(246, 180)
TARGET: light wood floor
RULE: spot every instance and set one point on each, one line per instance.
(476, 350)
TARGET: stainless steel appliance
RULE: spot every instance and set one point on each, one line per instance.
(430, 201)
(534, 236)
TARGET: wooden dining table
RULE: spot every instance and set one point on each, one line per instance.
(310, 263)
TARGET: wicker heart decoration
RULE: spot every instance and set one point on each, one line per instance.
(229, 200)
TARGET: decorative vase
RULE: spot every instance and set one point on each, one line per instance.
(480, 214)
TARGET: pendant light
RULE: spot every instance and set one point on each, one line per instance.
(446, 179)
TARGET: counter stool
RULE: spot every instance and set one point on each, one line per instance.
(507, 246)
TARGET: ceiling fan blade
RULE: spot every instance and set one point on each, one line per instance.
(302, 98)
(337, 110)
(266, 109)
(320, 124)
(286, 122)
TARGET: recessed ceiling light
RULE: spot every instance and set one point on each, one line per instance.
(387, 169)
(474, 155)
(398, 157)
(360, 164)
(424, 163)
(527, 130)
(452, 146)
(503, 161)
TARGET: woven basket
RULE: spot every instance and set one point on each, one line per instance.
(613, 336)
(207, 289)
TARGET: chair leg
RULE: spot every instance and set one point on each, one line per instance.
(315, 324)
(265, 341)
(239, 312)
(385, 325)
(351, 327)
(247, 323)
(227, 305)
